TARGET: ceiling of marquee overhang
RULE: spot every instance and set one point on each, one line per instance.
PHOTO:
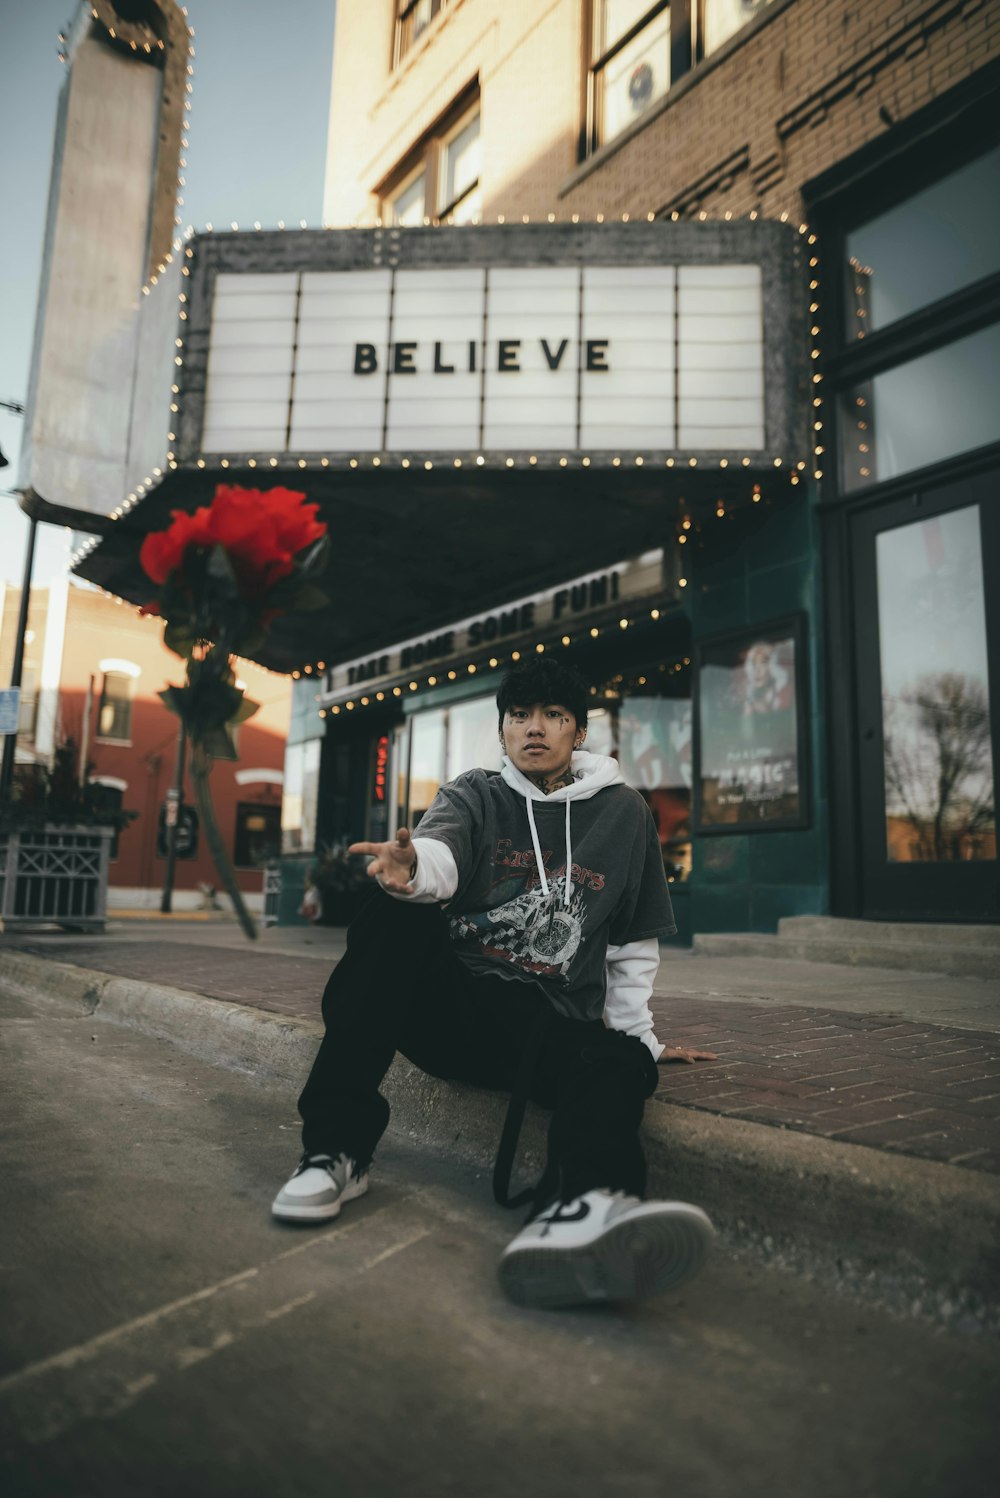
(416, 551)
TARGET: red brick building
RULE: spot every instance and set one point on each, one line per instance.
(93, 668)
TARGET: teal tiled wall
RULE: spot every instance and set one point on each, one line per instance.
(748, 881)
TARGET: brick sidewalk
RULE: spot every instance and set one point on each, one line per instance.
(919, 1089)
(912, 1088)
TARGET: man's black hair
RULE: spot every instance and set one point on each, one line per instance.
(543, 679)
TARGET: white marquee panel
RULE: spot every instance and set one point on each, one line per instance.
(290, 339)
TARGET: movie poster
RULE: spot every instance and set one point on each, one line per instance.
(751, 754)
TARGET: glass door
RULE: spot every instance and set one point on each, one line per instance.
(926, 656)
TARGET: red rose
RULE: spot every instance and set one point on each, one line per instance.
(162, 552)
(261, 532)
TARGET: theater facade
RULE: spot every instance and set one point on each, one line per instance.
(590, 440)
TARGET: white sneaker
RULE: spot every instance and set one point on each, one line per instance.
(604, 1246)
(319, 1188)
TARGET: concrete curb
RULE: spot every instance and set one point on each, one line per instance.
(920, 1237)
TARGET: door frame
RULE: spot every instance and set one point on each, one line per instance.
(861, 885)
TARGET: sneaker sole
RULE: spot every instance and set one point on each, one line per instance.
(325, 1212)
(631, 1260)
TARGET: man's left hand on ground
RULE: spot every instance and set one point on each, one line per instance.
(683, 1053)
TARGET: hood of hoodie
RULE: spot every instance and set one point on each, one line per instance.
(592, 771)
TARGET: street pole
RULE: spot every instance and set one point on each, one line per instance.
(17, 669)
(175, 800)
(88, 708)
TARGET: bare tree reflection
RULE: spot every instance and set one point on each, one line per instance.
(939, 771)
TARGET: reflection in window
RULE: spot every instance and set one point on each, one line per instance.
(935, 243)
(631, 66)
(721, 19)
(935, 695)
(928, 409)
(258, 834)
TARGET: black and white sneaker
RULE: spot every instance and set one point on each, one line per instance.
(604, 1246)
(319, 1188)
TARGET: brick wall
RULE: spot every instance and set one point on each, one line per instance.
(805, 88)
(806, 85)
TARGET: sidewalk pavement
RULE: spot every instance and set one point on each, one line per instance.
(858, 1054)
(904, 1068)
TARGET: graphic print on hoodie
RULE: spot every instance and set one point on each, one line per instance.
(545, 883)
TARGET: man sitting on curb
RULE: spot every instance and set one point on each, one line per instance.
(517, 952)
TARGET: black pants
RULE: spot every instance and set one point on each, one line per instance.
(400, 987)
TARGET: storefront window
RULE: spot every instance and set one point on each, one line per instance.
(298, 804)
(436, 746)
(935, 693)
(934, 244)
(473, 740)
(642, 722)
(934, 407)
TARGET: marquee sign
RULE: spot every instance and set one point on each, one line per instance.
(565, 606)
(469, 358)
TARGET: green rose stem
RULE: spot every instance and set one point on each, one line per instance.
(201, 769)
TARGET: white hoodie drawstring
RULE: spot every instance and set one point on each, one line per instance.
(538, 849)
(568, 890)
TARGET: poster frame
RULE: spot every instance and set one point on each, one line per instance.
(788, 626)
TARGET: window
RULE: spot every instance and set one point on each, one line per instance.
(631, 66)
(440, 181)
(412, 19)
(408, 207)
(458, 179)
(644, 721)
(916, 360)
(934, 244)
(721, 19)
(300, 797)
(920, 412)
(114, 715)
(258, 834)
(639, 50)
(436, 745)
(28, 711)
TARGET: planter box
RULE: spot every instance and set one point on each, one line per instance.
(55, 875)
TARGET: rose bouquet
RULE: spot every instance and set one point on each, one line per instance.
(223, 575)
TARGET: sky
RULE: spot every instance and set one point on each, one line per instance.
(258, 127)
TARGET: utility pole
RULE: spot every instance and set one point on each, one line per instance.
(17, 668)
(175, 801)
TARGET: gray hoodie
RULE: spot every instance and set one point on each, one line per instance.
(545, 888)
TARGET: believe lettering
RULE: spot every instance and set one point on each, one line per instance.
(413, 358)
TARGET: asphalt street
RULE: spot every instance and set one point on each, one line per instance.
(162, 1335)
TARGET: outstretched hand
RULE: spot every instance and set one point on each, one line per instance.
(393, 864)
(684, 1053)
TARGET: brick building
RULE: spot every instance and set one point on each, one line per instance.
(93, 668)
(668, 336)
